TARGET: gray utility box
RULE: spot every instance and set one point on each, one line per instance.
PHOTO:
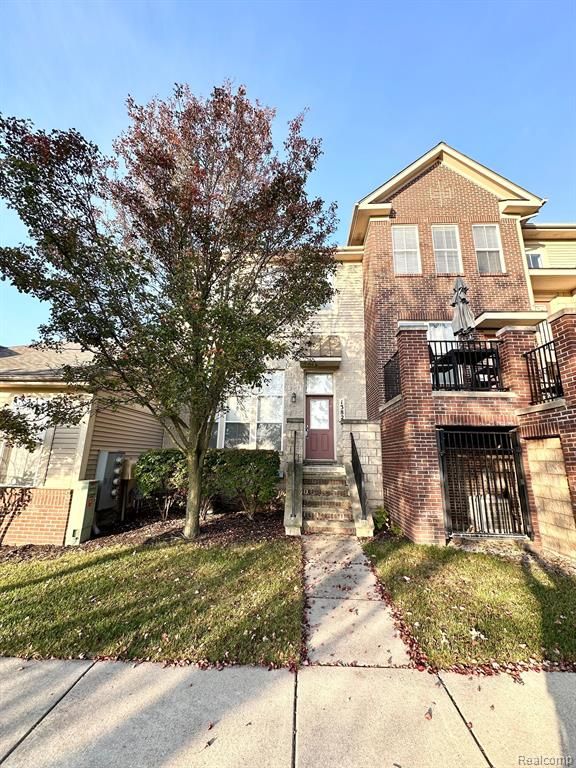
(109, 475)
(81, 511)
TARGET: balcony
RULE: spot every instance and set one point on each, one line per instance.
(543, 374)
(472, 366)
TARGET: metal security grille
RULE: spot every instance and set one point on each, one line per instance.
(484, 489)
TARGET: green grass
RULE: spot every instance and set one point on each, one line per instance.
(468, 608)
(239, 603)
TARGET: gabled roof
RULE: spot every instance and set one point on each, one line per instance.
(513, 198)
(23, 363)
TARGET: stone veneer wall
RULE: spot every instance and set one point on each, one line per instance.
(552, 496)
(368, 443)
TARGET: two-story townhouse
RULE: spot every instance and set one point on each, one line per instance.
(460, 452)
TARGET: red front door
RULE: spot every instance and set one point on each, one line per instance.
(319, 427)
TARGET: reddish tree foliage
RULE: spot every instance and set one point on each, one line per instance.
(182, 263)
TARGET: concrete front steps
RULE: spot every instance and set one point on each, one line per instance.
(323, 498)
(326, 505)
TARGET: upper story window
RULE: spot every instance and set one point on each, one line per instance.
(534, 260)
(488, 248)
(406, 250)
(331, 303)
(446, 248)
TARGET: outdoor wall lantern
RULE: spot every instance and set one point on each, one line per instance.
(293, 397)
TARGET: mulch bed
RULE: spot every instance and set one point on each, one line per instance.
(217, 530)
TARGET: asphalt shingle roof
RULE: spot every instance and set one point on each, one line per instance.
(26, 363)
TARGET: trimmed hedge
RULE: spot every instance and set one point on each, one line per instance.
(248, 476)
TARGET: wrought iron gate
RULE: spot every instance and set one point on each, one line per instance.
(483, 482)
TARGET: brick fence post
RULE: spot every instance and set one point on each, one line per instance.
(563, 325)
(426, 524)
(515, 341)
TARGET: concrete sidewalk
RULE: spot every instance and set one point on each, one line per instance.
(75, 714)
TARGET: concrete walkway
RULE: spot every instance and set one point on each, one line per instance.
(348, 623)
(375, 712)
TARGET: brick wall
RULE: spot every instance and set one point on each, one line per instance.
(557, 419)
(34, 515)
(410, 457)
(440, 195)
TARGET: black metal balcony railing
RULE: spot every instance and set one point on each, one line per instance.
(543, 374)
(392, 377)
(465, 365)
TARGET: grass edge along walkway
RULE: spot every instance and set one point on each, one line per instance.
(467, 608)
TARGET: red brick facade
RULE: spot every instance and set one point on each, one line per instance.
(410, 456)
(409, 426)
(438, 196)
(559, 421)
(34, 515)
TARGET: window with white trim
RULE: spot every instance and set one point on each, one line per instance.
(238, 418)
(446, 248)
(406, 250)
(534, 260)
(331, 303)
(253, 421)
(19, 466)
(488, 248)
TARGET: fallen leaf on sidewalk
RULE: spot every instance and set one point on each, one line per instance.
(209, 743)
(428, 714)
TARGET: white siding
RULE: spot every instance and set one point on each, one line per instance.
(63, 453)
(128, 429)
(556, 254)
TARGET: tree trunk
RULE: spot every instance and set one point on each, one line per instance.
(194, 496)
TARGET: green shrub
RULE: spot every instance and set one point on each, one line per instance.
(381, 519)
(160, 475)
(250, 476)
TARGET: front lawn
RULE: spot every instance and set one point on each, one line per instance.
(470, 608)
(241, 603)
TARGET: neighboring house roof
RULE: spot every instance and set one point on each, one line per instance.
(23, 363)
(513, 199)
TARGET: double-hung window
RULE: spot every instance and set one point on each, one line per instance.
(269, 412)
(446, 248)
(488, 248)
(406, 250)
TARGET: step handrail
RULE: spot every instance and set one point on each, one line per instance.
(359, 477)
